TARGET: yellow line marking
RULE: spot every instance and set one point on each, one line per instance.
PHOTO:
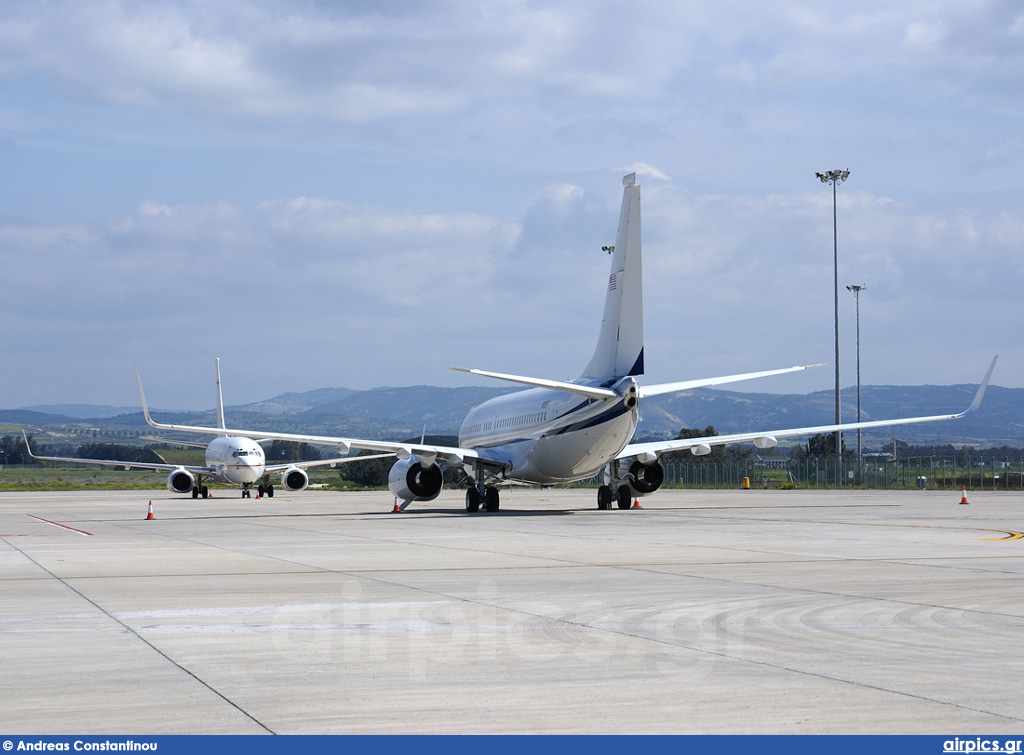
(1010, 535)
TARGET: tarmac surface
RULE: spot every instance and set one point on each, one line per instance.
(322, 612)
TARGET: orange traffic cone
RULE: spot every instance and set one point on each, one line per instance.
(963, 498)
(150, 514)
(396, 509)
(636, 503)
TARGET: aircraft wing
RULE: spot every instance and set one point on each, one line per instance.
(427, 452)
(322, 462)
(118, 462)
(170, 441)
(686, 385)
(767, 439)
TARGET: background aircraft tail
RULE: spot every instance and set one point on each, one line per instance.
(220, 400)
(620, 345)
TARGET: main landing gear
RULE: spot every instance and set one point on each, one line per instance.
(621, 496)
(489, 498)
(262, 490)
(479, 493)
(200, 491)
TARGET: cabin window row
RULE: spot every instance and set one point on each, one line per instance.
(523, 419)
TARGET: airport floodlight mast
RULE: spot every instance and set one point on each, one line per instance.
(835, 177)
(856, 295)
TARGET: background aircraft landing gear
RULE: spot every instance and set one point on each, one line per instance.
(604, 497)
(200, 491)
(491, 498)
(472, 500)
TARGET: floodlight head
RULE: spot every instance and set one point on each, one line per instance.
(833, 176)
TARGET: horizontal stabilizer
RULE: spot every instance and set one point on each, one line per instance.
(686, 385)
(558, 385)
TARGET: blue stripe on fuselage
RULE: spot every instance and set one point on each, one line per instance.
(613, 412)
(617, 410)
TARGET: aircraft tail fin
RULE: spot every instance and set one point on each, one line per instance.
(220, 400)
(620, 344)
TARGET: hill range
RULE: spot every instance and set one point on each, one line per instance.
(406, 412)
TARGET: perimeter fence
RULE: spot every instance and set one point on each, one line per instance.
(926, 472)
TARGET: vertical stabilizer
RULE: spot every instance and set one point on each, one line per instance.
(620, 345)
(220, 400)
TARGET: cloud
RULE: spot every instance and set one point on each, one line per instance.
(351, 193)
(362, 295)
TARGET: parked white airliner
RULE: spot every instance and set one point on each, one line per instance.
(564, 431)
(230, 460)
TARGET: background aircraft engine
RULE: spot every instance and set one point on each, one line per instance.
(294, 479)
(646, 478)
(410, 480)
(180, 481)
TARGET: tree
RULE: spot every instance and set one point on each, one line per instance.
(12, 450)
(820, 445)
(372, 473)
(281, 451)
(732, 452)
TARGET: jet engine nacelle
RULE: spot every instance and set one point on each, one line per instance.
(294, 479)
(411, 480)
(180, 481)
(644, 479)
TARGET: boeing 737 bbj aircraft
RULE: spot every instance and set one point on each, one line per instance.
(230, 459)
(558, 431)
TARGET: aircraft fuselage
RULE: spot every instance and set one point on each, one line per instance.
(237, 460)
(548, 436)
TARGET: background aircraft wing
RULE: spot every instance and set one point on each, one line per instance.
(427, 452)
(170, 441)
(322, 462)
(118, 462)
(767, 439)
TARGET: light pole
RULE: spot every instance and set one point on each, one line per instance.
(835, 177)
(856, 295)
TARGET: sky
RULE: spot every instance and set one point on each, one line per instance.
(364, 194)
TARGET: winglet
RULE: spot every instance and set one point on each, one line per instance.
(981, 388)
(142, 397)
(27, 446)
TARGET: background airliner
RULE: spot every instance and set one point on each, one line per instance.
(230, 460)
(559, 431)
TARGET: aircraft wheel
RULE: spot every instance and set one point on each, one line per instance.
(195, 491)
(493, 500)
(261, 491)
(205, 492)
(472, 500)
(604, 497)
(624, 496)
(270, 491)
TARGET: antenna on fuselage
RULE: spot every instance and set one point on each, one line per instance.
(220, 400)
